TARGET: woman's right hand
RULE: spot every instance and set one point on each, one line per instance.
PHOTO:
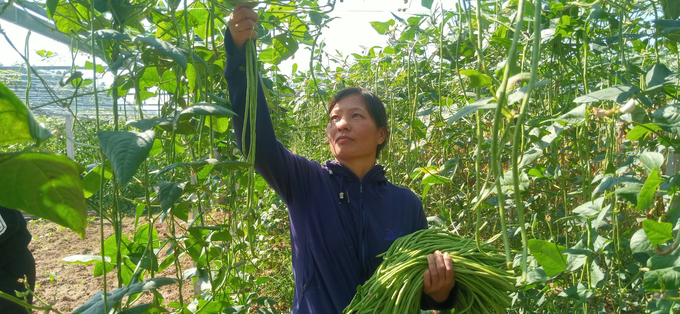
(243, 24)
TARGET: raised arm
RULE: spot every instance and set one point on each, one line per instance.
(276, 164)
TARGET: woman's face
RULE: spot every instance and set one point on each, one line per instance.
(352, 132)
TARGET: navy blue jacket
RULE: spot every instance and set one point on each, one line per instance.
(338, 222)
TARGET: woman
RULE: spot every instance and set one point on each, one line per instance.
(343, 213)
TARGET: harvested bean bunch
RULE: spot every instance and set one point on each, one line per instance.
(397, 284)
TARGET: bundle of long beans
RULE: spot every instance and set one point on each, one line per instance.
(397, 284)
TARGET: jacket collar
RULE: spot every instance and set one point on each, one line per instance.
(376, 174)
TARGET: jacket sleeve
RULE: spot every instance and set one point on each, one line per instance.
(276, 164)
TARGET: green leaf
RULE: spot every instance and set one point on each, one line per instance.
(91, 181)
(165, 48)
(548, 256)
(641, 130)
(575, 116)
(168, 82)
(205, 109)
(658, 76)
(477, 79)
(110, 34)
(649, 190)
(467, 110)
(382, 27)
(69, 77)
(667, 115)
(662, 279)
(142, 236)
(149, 77)
(640, 243)
(610, 182)
(619, 93)
(126, 150)
(530, 157)
(96, 304)
(219, 124)
(652, 160)
(596, 274)
(51, 7)
(84, 259)
(17, 123)
(589, 209)
(657, 232)
(68, 15)
(507, 183)
(522, 91)
(427, 3)
(168, 193)
(45, 185)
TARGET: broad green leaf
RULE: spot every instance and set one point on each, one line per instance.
(578, 292)
(67, 17)
(658, 76)
(17, 123)
(589, 209)
(192, 77)
(640, 243)
(427, 3)
(110, 34)
(575, 261)
(96, 304)
(657, 232)
(548, 256)
(507, 183)
(649, 190)
(619, 93)
(282, 48)
(610, 182)
(596, 274)
(651, 160)
(165, 124)
(143, 308)
(69, 77)
(662, 279)
(51, 7)
(165, 48)
(575, 116)
(126, 150)
(382, 27)
(168, 193)
(205, 109)
(477, 79)
(142, 236)
(168, 82)
(529, 157)
(45, 185)
(149, 78)
(219, 124)
(658, 261)
(642, 130)
(84, 259)
(91, 181)
(667, 115)
(467, 110)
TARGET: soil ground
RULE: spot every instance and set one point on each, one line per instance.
(70, 285)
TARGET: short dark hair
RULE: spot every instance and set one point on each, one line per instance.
(375, 107)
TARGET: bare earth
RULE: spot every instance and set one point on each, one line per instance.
(70, 285)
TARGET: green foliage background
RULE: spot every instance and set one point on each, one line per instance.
(581, 197)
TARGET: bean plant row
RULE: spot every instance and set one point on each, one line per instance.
(545, 129)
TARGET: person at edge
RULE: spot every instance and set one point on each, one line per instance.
(16, 259)
(344, 213)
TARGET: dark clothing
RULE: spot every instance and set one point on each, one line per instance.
(338, 222)
(15, 258)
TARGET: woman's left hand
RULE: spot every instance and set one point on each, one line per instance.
(439, 279)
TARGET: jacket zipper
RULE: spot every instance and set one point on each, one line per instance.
(363, 228)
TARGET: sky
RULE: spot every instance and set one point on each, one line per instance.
(347, 34)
